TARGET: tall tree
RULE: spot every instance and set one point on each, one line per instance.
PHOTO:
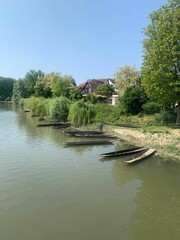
(30, 81)
(61, 85)
(161, 63)
(126, 77)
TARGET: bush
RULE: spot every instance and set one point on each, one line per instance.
(59, 108)
(80, 113)
(151, 107)
(37, 105)
(105, 112)
(165, 118)
(132, 100)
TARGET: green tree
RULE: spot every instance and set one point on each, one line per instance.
(80, 113)
(30, 81)
(125, 77)
(61, 85)
(19, 91)
(75, 93)
(104, 89)
(6, 88)
(59, 108)
(161, 63)
(133, 99)
(43, 86)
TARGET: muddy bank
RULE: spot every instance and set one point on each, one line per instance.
(166, 144)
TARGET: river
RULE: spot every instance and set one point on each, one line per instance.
(52, 192)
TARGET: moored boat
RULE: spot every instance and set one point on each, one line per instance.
(94, 136)
(124, 152)
(83, 132)
(54, 125)
(88, 143)
(142, 155)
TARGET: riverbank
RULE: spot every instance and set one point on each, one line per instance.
(166, 141)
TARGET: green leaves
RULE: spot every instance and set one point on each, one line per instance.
(161, 63)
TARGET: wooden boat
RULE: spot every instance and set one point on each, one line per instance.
(124, 152)
(81, 132)
(94, 136)
(142, 155)
(88, 143)
(54, 125)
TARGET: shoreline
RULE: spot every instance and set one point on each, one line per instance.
(167, 144)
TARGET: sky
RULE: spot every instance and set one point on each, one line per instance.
(87, 39)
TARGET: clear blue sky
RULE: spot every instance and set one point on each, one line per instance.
(83, 38)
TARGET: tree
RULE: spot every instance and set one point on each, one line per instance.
(30, 81)
(161, 61)
(43, 86)
(19, 91)
(80, 113)
(125, 77)
(104, 89)
(133, 99)
(60, 108)
(61, 85)
(75, 93)
(6, 88)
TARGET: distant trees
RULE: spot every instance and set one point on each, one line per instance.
(161, 63)
(36, 83)
(6, 88)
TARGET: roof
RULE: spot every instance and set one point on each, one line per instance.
(94, 83)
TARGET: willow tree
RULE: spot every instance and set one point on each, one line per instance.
(80, 113)
(161, 62)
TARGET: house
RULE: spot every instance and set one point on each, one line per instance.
(90, 85)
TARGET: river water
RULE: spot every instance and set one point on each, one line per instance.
(51, 192)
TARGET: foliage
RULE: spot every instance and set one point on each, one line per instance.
(164, 118)
(43, 87)
(104, 89)
(151, 107)
(81, 113)
(133, 99)
(59, 108)
(37, 105)
(161, 65)
(61, 85)
(90, 97)
(30, 81)
(18, 91)
(126, 77)
(6, 88)
(75, 93)
(106, 113)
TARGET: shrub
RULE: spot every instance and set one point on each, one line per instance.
(59, 108)
(132, 100)
(165, 118)
(151, 107)
(37, 105)
(105, 112)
